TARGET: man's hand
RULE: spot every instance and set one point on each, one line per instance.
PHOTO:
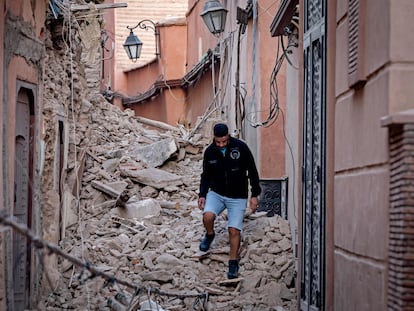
(201, 202)
(254, 204)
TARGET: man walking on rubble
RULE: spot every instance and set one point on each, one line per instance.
(228, 166)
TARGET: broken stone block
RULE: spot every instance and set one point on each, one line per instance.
(286, 293)
(169, 260)
(285, 244)
(110, 165)
(153, 177)
(161, 276)
(149, 305)
(118, 185)
(143, 243)
(155, 154)
(192, 149)
(181, 154)
(140, 209)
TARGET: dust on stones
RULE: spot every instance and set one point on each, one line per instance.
(152, 238)
(133, 214)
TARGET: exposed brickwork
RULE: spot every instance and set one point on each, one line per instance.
(401, 242)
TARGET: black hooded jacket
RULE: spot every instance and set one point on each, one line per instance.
(229, 175)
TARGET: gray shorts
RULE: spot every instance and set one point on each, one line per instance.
(217, 203)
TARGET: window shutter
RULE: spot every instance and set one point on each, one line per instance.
(356, 44)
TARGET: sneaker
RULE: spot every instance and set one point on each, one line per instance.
(206, 242)
(233, 269)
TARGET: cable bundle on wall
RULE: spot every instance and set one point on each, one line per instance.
(274, 96)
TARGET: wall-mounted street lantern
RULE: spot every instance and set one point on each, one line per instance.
(214, 15)
(133, 45)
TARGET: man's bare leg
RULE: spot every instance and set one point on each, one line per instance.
(234, 239)
(208, 221)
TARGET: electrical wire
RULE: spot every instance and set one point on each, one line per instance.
(229, 44)
(274, 100)
(70, 22)
(292, 43)
(293, 164)
(273, 111)
(39, 243)
(253, 78)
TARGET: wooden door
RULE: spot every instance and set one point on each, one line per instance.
(22, 200)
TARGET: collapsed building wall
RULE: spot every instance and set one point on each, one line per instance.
(71, 90)
(84, 143)
(22, 65)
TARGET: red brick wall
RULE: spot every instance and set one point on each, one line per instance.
(401, 241)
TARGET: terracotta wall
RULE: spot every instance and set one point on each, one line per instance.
(116, 21)
(257, 58)
(199, 96)
(140, 80)
(173, 37)
(267, 143)
(272, 144)
(199, 38)
(166, 71)
(169, 65)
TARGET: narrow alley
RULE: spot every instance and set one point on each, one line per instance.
(108, 107)
(152, 239)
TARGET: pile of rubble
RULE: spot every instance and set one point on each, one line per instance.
(134, 215)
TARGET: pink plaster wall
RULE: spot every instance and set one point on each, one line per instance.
(169, 65)
(169, 107)
(171, 104)
(199, 38)
(271, 139)
(116, 62)
(174, 53)
(267, 143)
(154, 109)
(141, 79)
(109, 55)
(175, 104)
(199, 97)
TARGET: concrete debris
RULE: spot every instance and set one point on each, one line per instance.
(153, 239)
(155, 154)
(154, 177)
